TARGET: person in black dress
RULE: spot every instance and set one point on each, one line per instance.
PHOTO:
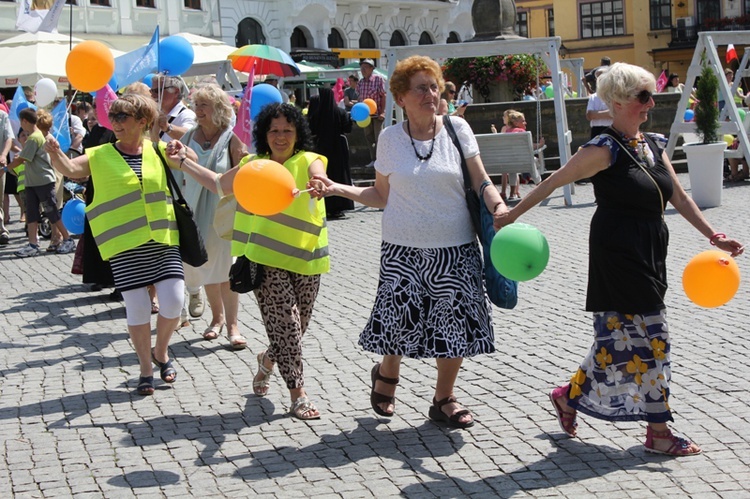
(626, 374)
(329, 123)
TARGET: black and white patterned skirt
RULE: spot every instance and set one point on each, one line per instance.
(430, 303)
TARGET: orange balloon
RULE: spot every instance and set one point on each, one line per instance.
(372, 105)
(89, 66)
(264, 187)
(711, 278)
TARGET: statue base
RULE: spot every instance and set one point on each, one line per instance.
(484, 37)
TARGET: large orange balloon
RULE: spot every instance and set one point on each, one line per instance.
(372, 105)
(264, 187)
(711, 278)
(89, 66)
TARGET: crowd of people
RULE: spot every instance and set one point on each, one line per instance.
(430, 260)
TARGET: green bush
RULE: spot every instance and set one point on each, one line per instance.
(707, 111)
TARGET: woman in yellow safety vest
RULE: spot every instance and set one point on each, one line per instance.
(292, 247)
(133, 223)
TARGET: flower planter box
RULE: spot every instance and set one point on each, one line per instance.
(706, 171)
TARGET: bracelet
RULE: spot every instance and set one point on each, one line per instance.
(716, 236)
(219, 190)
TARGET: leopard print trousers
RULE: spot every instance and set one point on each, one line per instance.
(286, 301)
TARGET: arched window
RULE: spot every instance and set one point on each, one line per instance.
(298, 39)
(398, 39)
(367, 41)
(453, 38)
(335, 40)
(249, 32)
(426, 39)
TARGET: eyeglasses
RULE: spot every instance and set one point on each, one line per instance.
(155, 91)
(119, 117)
(425, 89)
(644, 96)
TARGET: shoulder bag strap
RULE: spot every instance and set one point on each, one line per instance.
(452, 133)
(173, 187)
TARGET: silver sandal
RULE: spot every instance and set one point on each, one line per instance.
(301, 407)
(260, 387)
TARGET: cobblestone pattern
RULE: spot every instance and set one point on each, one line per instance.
(70, 424)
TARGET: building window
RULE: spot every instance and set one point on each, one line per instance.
(600, 19)
(522, 24)
(298, 39)
(550, 22)
(366, 40)
(425, 39)
(398, 39)
(661, 14)
(453, 38)
(100, 3)
(151, 4)
(249, 32)
(193, 4)
(335, 40)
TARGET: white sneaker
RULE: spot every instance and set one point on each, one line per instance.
(196, 305)
(67, 246)
(27, 251)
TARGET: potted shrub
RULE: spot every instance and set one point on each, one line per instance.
(706, 157)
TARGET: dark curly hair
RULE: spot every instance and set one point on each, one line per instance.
(293, 115)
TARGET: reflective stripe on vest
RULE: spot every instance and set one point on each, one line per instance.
(126, 212)
(295, 239)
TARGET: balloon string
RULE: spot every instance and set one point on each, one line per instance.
(67, 113)
(297, 194)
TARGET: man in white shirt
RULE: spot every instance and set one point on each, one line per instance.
(175, 119)
(597, 113)
(273, 80)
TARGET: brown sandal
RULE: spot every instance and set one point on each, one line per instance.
(436, 413)
(378, 398)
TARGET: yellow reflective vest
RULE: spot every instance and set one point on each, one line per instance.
(126, 212)
(295, 239)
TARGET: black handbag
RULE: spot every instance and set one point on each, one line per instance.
(192, 248)
(245, 275)
(502, 291)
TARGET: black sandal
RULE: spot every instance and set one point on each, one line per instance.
(145, 385)
(378, 398)
(454, 420)
(165, 369)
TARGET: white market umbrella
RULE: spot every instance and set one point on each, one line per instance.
(29, 57)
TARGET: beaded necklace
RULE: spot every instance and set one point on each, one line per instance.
(432, 145)
(638, 145)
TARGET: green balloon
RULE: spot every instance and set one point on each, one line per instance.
(519, 252)
(741, 112)
(549, 92)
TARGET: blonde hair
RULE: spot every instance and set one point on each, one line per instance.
(514, 116)
(622, 81)
(215, 96)
(400, 81)
(137, 87)
(43, 121)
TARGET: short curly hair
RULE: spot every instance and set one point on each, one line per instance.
(400, 81)
(622, 81)
(293, 115)
(137, 106)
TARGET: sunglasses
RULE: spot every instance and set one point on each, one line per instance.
(119, 117)
(155, 91)
(644, 96)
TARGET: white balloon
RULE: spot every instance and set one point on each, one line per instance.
(45, 92)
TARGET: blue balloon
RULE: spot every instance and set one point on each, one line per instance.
(263, 94)
(73, 215)
(689, 115)
(23, 105)
(147, 79)
(360, 111)
(175, 55)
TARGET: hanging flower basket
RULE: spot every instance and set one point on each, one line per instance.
(517, 71)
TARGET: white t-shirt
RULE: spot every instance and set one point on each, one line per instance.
(77, 128)
(596, 104)
(180, 116)
(426, 202)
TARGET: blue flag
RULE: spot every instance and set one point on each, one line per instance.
(19, 103)
(60, 126)
(134, 65)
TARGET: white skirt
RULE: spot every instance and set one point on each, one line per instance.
(216, 269)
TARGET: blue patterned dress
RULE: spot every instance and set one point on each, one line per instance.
(625, 376)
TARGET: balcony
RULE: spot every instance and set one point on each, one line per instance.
(685, 36)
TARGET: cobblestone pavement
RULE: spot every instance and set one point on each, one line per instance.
(70, 424)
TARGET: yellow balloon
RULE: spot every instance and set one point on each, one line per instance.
(729, 139)
(363, 123)
(711, 279)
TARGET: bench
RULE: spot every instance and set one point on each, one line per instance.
(511, 153)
